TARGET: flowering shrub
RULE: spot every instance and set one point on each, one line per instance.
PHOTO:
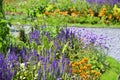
(84, 69)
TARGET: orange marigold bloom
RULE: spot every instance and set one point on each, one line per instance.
(79, 62)
(84, 68)
(74, 71)
(60, 13)
(89, 65)
(85, 59)
(80, 71)
(58, 10)
(81, 68)
(76, 63)
(97, 74)
(73, 65)
(74, 14)
(72, 9)
(110, 16)
(65, 13)
(46, 13)
(92, 14)
(117, 17)
(93, 71)
(90, 10)
(82, 61)
(104, 9)
(83, 76)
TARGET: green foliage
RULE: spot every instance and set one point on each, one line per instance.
(113, 72)
(93, 20)
(63, 5)
(22, 35)
(4, 30)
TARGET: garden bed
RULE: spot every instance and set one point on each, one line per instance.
(102, 14)
(47, 49)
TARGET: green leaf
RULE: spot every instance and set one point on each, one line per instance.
(0, 44)
(39, 48)
(65, 47)
(46, 42)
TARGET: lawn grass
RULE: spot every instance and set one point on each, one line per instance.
(114, 70)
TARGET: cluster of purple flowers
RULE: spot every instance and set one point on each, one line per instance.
(111, 2)
(7, 66)
(89, 37)
(52, 61)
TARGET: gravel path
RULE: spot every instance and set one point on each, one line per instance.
(114, 49)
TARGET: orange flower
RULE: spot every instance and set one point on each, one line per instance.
(104, 9)
(74, 71)
(92, 14)
(85, 59)
(97, 74)
(81, 68)
(90, 10)
(110, 16)
(83, 76)
(82, 61)
(100, 14)
(65, 13)
(93, 71)
(89, 65)
(73, 65)
(72, 9)
(80, 71)
(84, 68)
(73, 14)
(46, 13)
(79, 62)
(60, 13)
(58, 10)
(117, 17)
